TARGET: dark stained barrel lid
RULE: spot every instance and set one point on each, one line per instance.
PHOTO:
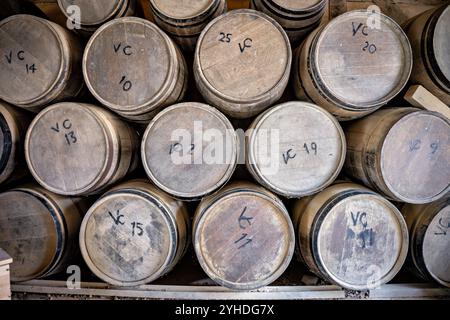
(128, 238)
(415, 155)
(31, 60)
(67, 148)
(92, 12)
(441, 43)
(186, 9)
(29, 232)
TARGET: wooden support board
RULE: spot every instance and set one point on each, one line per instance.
(5, 289)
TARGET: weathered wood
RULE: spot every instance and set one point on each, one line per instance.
(38, 229)
(40, 62)
(13, 125)
(95, 13)
(429, 227)
(295, 149)
(243, 237)
(134, 68)
(134, 234)
(298, 18)
(420, 97)
(242, 62)
(184, 21)
(76, 149)
(5, 282)
(402, 153)
(351, 69)
(190, 150)
(428, 34)
(351, 236)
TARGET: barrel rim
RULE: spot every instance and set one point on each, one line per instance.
(200, 76)
(190, 20)
(8, 145)
(63, 47)
(318, 6)
(108, 150)
(170, 77)
(227, 174)
(380, 166)
(237, 191)
(251, 154)
(323, 212)
(165, 212)
(401, 83)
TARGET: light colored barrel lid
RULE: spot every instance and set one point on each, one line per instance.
(67, 148)
(414, 157)
(360, 66)
(441, 42)
(310, 152)
(28, 233)
(92, 12)
(185, 9)
(297, 5)
(127, 64)
(244, 241)
(189, 150)
(436, 247)
(128, 239)
(362, 241)
(242, 55)
(31, 59)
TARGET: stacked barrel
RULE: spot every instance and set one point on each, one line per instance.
(102, 154)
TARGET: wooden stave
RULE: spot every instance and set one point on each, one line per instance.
(69, 82)
(121, 158)
(177, 215)
(304, 216)
(68, 214)
(13, 167)
(365, 141)
(225, 103)
(418, 218)
(257, 176)
(246, 187)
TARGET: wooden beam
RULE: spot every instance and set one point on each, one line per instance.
(420, 97)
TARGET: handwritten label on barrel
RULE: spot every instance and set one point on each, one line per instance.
(244, 222)
(125, 50)
(416, 144)
(69, 134)
(361, 28)
(442, 227)
(119, 220)
(309, 148)
(359, 230)
(243, 45)
(19, 57)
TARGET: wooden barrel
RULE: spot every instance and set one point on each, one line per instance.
(185, 20)
(134, 234)
(298, 18)
(130, 76)
(13, 126)
(429, 229)
(39, 230)
(92, 14)
(428, 34)
(351, 69)
(242, 62)
(403, 153)
(79, 149)
(189, 150)
(295, 149)
(40, 62)
(243, 236)
(351, 236)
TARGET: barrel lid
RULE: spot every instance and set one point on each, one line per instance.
(30, 232)
(360, 66)
(67, 148)
(128, 64)
(414, 157)
(361, 240)
(441, 43)
(128, 238)
(296, 5)
(243, 55)
(244, 240)
(92, 12)
(309, 151)
(436, 246)
(189, 150)
(32, 59)
(186, 9)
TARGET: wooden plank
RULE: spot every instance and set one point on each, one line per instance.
(420, 97)
(4, 258)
